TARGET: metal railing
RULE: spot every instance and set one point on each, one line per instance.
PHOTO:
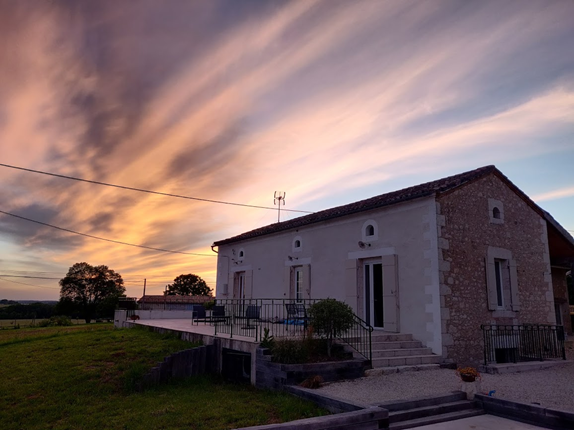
(283, 318)
(527, 342)
(359, 338)
(250, 318)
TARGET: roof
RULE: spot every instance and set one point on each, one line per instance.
(175, 299)
(394, 197)
(440, 186)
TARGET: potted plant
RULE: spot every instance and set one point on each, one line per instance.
(468, 374)
(470, 381)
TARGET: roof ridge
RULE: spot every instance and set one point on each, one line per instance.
(437, 186)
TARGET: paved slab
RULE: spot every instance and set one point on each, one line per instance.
(481, 422)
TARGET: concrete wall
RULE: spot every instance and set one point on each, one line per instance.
(465, 233)
(333, 260)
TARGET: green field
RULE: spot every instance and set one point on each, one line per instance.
(81, 377)
(22, 323)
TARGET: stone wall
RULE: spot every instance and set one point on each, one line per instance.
(466, 230)
(182, 364)
(277, 375)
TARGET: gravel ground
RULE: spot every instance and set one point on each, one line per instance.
(552, 387)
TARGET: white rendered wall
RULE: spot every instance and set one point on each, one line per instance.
(332, 251)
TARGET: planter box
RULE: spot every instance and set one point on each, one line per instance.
(277, 375)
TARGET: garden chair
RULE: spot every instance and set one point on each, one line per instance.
(296, 314)
(252, 313)
(198, 314)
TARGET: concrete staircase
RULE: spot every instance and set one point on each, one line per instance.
(400, 352)
(419, 412)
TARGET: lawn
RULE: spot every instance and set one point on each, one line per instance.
(80, 377)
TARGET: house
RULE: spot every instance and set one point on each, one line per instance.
(436, 260)
(171, 302)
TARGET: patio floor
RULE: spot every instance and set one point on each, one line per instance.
(185, 325)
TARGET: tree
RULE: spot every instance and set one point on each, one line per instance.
(188, 285)
(330, 318)
(88, 287)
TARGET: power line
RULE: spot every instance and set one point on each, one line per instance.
(29, 277)
(104, 239)
(30, 285)
(146, 191)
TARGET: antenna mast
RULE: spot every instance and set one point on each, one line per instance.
(279, 199)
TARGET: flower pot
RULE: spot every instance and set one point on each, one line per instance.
(468, 378)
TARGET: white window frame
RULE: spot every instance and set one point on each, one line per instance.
(372, 237)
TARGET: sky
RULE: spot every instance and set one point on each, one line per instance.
(231, 100)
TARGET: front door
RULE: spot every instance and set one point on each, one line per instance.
(373, 279)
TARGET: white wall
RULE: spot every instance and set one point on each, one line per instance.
(334, 258)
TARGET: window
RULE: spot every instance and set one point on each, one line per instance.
(298, 284)
(370, 230)
(241, 253)
(501, 281)
(498, 273)
(297, 244)
(496, 211)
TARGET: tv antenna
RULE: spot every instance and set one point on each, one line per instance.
(279, 199)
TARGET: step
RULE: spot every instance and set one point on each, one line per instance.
(400, 369)
(411, 360)
(401, 352)
(441, 418)
(390, 337)
(427, 411)
(408, 344)
(419, 402)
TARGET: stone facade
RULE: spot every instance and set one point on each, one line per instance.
(467, 233)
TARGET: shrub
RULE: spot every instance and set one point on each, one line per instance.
(313, 382)
(267, 341)
(57, 321)
(330, 319)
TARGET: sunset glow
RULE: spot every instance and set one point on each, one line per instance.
(330, 101)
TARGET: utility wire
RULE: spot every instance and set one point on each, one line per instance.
(104, 239)
(22, 276)
(30, 285)
(147, 191)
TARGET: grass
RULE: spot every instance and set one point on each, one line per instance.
(79, 377)
(22, 323)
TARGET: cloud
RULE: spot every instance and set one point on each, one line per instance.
(233, 100)
(560, 193)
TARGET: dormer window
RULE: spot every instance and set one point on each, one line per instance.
(496, 211)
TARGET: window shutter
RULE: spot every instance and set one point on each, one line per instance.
(351, 291)
(288, 286)
(306, 281)
(248, 284)
(491, 284)
(514, 285)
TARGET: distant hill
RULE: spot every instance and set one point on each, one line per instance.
(6, 302)
(46, 302)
